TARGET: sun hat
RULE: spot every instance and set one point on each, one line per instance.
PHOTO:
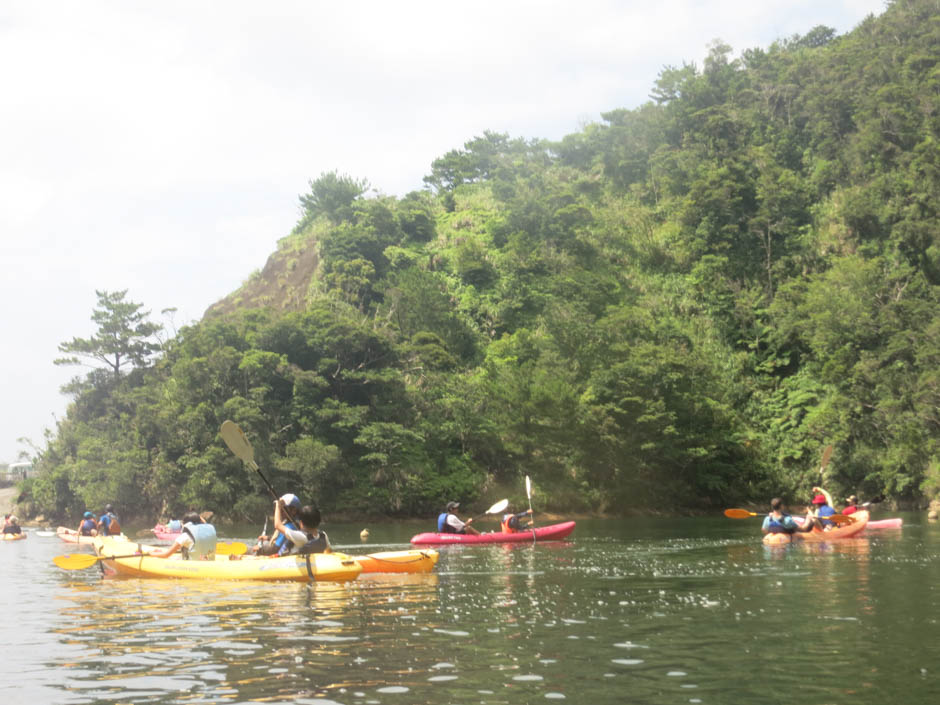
(819, 499)
(452, 505)
(852, 498)
(88, 515)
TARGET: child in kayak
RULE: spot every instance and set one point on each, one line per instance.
(87, 527)
(196, 541)
(780, 522)
(822, 504)
(511, 522)
(306, 539)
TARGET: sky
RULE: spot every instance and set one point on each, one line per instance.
(161, 147)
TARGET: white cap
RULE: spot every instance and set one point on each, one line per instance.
(291, 500)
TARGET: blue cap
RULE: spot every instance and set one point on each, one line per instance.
(89, 515)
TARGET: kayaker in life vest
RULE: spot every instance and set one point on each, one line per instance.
(308, 538)
(12, 526)
(822, 504)
(108, 524)
(88, 526)
(196, 541)
(852, 506)
(511, 523)
(276, 544)
(780, 522)
(450, 523)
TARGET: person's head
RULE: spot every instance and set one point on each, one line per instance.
(291, 501)
(776, 504)
(309, 516)
(192, 518)
(109, 508)
(819, 499)
(451, 506)
(88, 515)
(852, 499)
(13, 520)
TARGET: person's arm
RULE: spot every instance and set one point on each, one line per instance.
(326, 539)
(279, 519)
(169, 550)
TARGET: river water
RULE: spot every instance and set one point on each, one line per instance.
(632, 611)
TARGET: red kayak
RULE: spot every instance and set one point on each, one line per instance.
(552, 532)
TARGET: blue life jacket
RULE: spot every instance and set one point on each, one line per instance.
(86, 527)
(442, 526)
(204, 539)
(281, 542)
(826, 511)
(776, 526)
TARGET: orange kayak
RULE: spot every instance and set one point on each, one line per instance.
(836, 532)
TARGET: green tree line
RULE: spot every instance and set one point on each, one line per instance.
(675, 308)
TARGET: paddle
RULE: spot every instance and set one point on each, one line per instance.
(528, 492)
(873, 500)
(495, 509)
(744, 514)
(77, 561)
(825, 459)
(45, 533)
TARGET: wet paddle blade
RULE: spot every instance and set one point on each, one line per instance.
(238, 443)
(75, 561)
(827, 454)
(498, 507)
(739, 514)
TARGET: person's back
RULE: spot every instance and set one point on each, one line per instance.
(12, 526)
(308, 538)
(88, 526)
(108, 524)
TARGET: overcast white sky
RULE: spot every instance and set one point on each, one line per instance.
(161, 147)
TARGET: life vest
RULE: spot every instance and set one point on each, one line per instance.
(442, 526)
(826, 511)
(850, 510)
(281, 543)
(317, 544)
(174, 526)
(111, 524)
(204, 539)
(86, 526)
(506, 525)
(775, 526)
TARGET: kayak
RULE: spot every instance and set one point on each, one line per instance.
(326, 567)
(895, 523)
(72, 536)
(552, 532)
(161, 532)
(14, 537)
(837, 532)
(412, 561)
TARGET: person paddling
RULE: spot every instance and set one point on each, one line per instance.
(822, 504)
(450, 523)
(307, 537)
(276, 543)
(196, 541)
(87, 526)
(511, 523)
(780, 522)
(12, 526)
(852, 506)
(108, 524)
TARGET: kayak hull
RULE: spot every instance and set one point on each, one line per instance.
(14, 537)
(895, 523)
(413, 561)
(322, 567)
(837, 532)
(552, 532)
(72, 536)
(161, 532)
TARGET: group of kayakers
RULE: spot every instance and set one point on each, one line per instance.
(450, 523)
(817, 515)
(107, 524)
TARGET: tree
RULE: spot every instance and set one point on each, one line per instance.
(125, 336)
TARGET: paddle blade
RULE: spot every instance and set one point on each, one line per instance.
(839, 519)
(498, 507)
(238, 443)
(528, 488)
(232, 548)
(739, 514)
(827, 454)
(75, 561)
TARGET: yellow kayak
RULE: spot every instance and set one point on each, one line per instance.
(122, 558)
(410, 561)
(14, 537)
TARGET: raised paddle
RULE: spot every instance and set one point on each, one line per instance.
(495, 509)
(237, 442)
(825, 459)
(528, 493)
(874, 500)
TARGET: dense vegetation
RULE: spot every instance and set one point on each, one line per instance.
(678, 307)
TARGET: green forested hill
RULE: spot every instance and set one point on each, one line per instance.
(677, 307)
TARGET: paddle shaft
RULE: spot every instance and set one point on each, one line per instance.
(528, 493)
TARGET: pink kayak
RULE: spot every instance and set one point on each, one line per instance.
(162, 532)
(552, 532)
(895, 523)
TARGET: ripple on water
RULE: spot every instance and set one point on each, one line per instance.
(391, 689)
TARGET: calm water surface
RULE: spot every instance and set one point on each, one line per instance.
(634, 611)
